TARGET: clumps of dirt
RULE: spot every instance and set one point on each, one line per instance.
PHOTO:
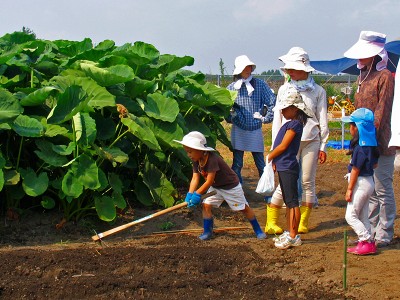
(175, 267)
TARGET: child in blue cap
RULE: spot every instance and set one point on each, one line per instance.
(364, 158)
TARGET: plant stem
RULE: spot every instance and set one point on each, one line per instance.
(19, 152)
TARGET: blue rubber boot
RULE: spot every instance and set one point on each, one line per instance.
(208, 225)
(256, 227)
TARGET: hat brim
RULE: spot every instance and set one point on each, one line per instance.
(194, 146)
(291, 65)
(309, 113)
(346, 119)
(364, 49)
(238, 70)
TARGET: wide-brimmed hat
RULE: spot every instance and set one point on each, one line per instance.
(293, 97)
(242, 62)
(364, 119)
(369, 44)
(195, 140)
(296, 59)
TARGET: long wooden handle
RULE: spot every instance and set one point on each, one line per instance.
(141, 220)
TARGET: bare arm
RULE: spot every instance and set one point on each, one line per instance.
(194, 183)
(206, 185)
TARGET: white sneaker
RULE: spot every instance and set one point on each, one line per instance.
(288, 242)
(280, 237)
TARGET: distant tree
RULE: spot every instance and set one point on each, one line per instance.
(222, 67)
(28, 31)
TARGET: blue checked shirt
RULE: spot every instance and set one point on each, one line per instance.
(245, 105)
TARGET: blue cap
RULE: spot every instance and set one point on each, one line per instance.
(364, 119)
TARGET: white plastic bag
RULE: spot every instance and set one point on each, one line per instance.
(266, 184)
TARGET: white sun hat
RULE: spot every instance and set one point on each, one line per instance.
(195, 140)
(369, 44)
(292, 97)
(296, 59)
(242, 62)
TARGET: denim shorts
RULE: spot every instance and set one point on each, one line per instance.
(288, 182)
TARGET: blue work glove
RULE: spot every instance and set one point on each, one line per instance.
(188, 198)
(196, 199)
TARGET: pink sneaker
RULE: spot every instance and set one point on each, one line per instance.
(363, 248)
(355, 249)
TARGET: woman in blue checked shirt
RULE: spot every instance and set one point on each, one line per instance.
(253, 107)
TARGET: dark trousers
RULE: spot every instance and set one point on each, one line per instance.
(237, 163)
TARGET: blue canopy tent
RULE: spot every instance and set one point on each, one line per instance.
(349, 66)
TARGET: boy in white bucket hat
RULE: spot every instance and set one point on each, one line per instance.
(313, 140)
(252, 108)
(375, 91)
(219, 177)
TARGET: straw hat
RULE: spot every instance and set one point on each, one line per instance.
(369, 44)
(293, 97)
(364, 119)
(242, 62)
(195, 140)
(296, 59)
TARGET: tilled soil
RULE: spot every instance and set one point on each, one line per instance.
(143, 262)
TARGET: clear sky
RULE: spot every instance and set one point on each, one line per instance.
(210, 30)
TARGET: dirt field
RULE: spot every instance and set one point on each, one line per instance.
(40, 262)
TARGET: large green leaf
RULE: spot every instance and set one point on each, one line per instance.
(138, 86)
(115, 182)
(53, 130)
(46, 153)
(27, 126)
(48, 202)
(143, 193)
(97, 95)
(11, 177)
(141, 131)
(119, 200)
(113, 154)
(34, 185)
(89, 132)
(105, 208)
(160, 107)
(160, 187)
(69, 103)
(37, 97)
(108, 76)
(86, 171)
(137, 55)
(168, 63)
(77, 122)
(166, 132)
(71, 185)
(9, 106)
(72, 48)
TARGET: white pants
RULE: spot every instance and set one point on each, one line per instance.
(308, 157)
(358, 209)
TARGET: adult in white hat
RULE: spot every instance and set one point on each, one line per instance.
(253, 107)
(313, 140)
(395, 123)
(375, 92)
(218, 177)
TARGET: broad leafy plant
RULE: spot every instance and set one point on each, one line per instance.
(87, 127)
